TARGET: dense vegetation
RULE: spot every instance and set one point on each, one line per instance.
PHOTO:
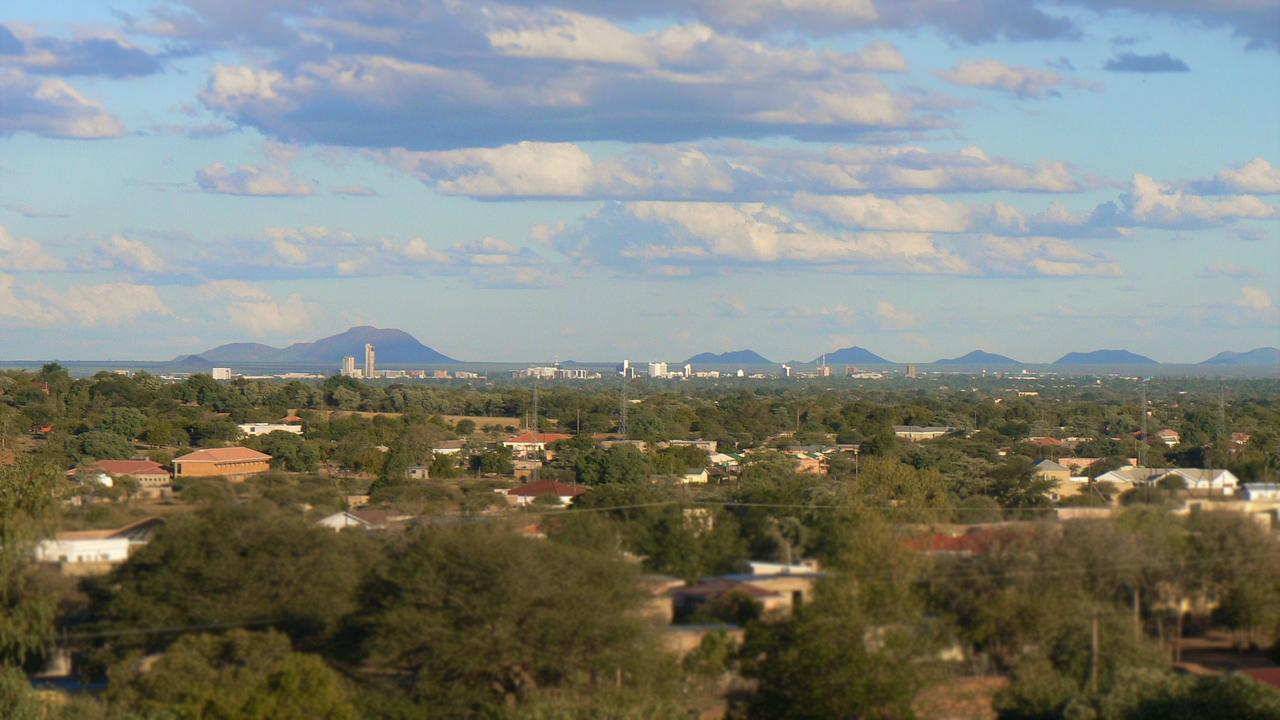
(242, 607)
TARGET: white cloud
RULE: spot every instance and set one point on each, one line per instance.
(1256, 301)
(52, 108)
(914, 213)
(262, 317)
(129, 254)
(1150, 203)
(110, 304)
(1016, 80)
(893, 318)
(25, 254)
(252, 180)
(235, 289)
(18, 310)
(1256, 176)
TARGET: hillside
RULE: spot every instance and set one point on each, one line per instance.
(979, 357)
(733, 357)
(393, 346)
(1256, 356)
(1105, 357)
(853, 355)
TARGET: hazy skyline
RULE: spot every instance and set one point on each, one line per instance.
(583, 179)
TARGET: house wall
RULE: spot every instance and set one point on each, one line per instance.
(103, 550)
(232, 470)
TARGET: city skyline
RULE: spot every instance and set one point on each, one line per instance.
(518, 180)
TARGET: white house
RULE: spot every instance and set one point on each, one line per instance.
(363, 519)
(916, 433)
(529, 492)
(97, 547)
(255, 429)
(1261, 491)
(695, 476)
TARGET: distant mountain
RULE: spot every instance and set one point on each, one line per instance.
(733, 357)
(1256, 356)
(187, 364)
(853, 355)
(1105, 357)
(979, 357)
(392, 346)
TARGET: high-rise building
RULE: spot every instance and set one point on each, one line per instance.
(911, 372)
(348, 366)
(786, 371)
(688, 371)
(221, 373)
(657, 369)
(370, 367)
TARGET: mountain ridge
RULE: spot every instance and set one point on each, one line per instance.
(1105, 357)
(731, 357)
(392, 346)
(979, 357)
(1256, 356)
(853, 354)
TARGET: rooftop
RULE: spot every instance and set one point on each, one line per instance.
(227, 454)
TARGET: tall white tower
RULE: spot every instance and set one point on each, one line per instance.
(370, 366)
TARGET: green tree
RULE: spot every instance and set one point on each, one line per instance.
(103, 445)
(475, 618)
(124, 421)
(26, 613)
(242, 674)
(235, 563)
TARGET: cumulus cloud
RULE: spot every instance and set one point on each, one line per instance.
(1257, 301)
(129, 254)
(716, 237)
(274, 178)
(1015, 80)
(717, 171)
(24, 254)
(105, 55)
(1157, 63)
(891, 317)
(110, 304)
(911, 213)
(1256, 176)
(52, 108)
(1150, 203)
(263, 317)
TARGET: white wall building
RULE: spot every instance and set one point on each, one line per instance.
(349, 367)
(221, 373)
(657, 369)
(255, 429)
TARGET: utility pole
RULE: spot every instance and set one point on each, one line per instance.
(622, 424)
(1142, 440)
(1093, 654)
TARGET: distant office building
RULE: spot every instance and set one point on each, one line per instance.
(786, 371)
(688, 371)
(370, 365)
(911, 372)
(348, 366)
(222, 373)
(657, 369)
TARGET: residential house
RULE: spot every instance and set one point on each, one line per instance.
(695, 476)
(708, 445)
(94, 552)
(363, 519)
(529, 443)
(525, 467)
(256, 429)
(1050, 470)
(234, 463)
(419, 472)
(1207, 480)
(1168, 437)
(448, 447)
(1261, 491)
(530, 492)
(916, 433)
(153, 479)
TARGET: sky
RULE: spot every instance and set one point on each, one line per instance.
(594, 180)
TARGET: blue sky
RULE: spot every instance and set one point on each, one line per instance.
(579, 179)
